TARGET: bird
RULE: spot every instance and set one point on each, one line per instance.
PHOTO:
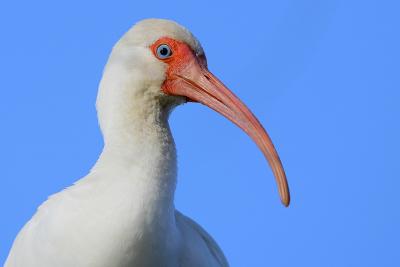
(122, 214)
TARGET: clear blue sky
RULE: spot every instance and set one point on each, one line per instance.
(322, 76)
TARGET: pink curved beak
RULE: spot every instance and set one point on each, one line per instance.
(194, 81)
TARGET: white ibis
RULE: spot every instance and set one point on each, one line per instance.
(122, 213)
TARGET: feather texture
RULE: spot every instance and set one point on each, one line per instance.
(122, 214)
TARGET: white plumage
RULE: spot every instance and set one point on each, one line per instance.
(122, 213)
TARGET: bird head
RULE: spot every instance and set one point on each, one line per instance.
(167, 64)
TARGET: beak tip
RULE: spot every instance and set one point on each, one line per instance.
(286, 203)
(285, 200)
(283, 187)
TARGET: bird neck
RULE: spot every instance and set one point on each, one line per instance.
(139, 149)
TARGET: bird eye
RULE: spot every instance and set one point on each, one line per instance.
(164, 51)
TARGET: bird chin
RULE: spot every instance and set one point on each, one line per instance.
(169, 102)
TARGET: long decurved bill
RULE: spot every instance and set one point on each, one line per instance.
(195, 82)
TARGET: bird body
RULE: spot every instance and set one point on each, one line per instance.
(122, 213)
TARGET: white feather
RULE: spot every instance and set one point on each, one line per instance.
(122, 213)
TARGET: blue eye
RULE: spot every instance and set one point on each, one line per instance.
(164, 51)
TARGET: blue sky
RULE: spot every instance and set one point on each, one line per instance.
(322, 76)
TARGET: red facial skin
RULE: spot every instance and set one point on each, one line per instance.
(187, 75)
